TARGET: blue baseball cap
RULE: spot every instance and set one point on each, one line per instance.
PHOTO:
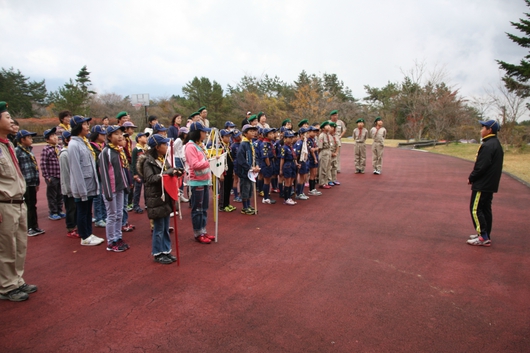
(236, 133)
(491, 124)
(303, 130)
(313, 128)
(225, 132)
(49, 132)
(78, 120)
(156, 139)
(113, 128)
(198, 126)
(229, 124)
(159, 127)
(98, 129)
(288, 133)
(266, 131)
(141, 134)
(24, 133)
(66, 135)
(248, 127)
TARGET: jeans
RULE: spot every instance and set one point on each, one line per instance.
(84, 218)
(137, 192)
(199, 206)
(125, 217)
(100, 212)
(114, 216)
(161, 240)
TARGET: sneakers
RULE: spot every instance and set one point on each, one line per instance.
(261, 193)
(114, 247)
(203, 239)
(357, 171)
(331, 183)
(127, 228)
(173, 214)
(268, 201)
(325, 186)
(34, 232)
(289, 202)
(92, 240)
(238, 199)
(138, 210)
(16, 295)
(172, 257)
(248, 211)
(100, 224)
(129, 208)
(276, 191)
(479, 241)
(228, 208)
(28, 288)
(163, 259)
(54, 217)
(123, 244)
(377, 172)
(302, 197)
(73, 234)
(211, 237)
(315, 192)
(473, 236)
(62, 215)
(336, 182)
(183, 199)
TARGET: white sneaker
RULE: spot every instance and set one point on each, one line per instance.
(101, 240)
(173, 214)
(91, 241)
(289, 202)
(305, 196)
(315, 192)
(267, 201)
(183, 199)
(473, 236)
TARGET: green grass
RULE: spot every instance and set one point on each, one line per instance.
(516, 160)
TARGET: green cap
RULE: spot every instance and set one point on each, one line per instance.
(252, 118)
(333, 112)
(260, 114)
(377, 119)
(121, 115)
(324, 124)
(3, 107)
(194, 114)
(286, 121)
(302, 122)
(201, 109)
(332, 124)
(361, 120)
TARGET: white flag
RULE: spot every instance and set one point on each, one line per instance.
(217, 165)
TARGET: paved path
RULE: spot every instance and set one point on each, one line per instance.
(378, 264)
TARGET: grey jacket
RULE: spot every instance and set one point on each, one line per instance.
(83, 172)
(65, 173)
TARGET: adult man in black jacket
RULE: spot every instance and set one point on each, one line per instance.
(484, 181)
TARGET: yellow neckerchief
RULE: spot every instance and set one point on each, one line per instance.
(162, 160)
(129, 144)
(56, 148)
(89, 146)
(227, 150)
(142, 147)
(252, 148)
(100, 145)
(485, 137)
(123, 157)
(66, 128)
(31, 155)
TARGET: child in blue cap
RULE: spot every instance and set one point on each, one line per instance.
(288, 167)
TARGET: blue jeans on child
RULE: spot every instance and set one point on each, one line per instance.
(137, 192)
(100, 212)
(200, 198)
(114, 215)
(161, 240)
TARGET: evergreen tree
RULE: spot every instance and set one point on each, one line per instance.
(517, 76)
(74, 96)
(22, 94)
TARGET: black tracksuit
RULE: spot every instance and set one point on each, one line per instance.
(484, 180)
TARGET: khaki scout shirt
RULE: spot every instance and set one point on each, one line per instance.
(12, 185)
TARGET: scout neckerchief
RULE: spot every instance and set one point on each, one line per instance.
(56, 149)
(162, 160)
(12, 153)
(252, 148)
(129, 144)
(98, 145)
(266, 140)
(65, 127)
(31, 155)
(85, 140)
(485, 137)
(226, 147)
(123, 157)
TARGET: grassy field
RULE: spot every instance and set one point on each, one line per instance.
(516, 160)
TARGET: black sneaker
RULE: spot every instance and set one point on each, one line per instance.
(39, 230)
(171, 257)
(32, 232)
(114, 247)
(16, 295)
(122, 245)
(163, 259)
(28, 288)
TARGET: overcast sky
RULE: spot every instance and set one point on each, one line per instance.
(155, 47)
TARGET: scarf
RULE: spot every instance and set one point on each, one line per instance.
(12, 153)
(31, 155)
(123, 157)
(65, 127)
(85, 140)
(162, 160)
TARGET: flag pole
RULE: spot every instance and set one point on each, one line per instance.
(173, 204)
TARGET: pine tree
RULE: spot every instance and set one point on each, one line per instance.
(22, 94)
(517, 76)
(74, 96)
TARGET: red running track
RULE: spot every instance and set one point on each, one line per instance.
(378, 264)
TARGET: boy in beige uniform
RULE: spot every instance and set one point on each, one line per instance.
(340, 130)
(13, 218)
(359, 135)
(335, 152)
(324, 155)
(378, 133)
